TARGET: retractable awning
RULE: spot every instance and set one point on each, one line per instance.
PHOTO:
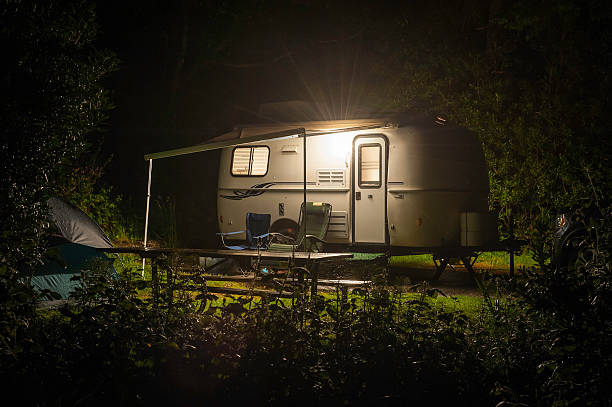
(215, 145)
(254, 134)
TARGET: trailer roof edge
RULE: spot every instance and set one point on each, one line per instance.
(291, 133)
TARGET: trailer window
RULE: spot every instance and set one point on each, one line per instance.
(369, 165)
(250, 161)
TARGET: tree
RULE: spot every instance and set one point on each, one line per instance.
(52, 99)
(532, 79)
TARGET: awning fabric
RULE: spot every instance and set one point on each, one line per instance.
(252, 134)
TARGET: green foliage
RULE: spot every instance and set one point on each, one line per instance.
(163, 221)
(543, 339)
(81, 186)
(577, 303)
(550, 339)
(16, 311)
(52, 98)
(517, 78)
(112, 346)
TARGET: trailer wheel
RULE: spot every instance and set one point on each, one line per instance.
(285, 227)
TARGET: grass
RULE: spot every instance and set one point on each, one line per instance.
(491, 261)
(468, 304)
(417, 260)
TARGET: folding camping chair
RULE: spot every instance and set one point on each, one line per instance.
(257, 228)
(312, 229)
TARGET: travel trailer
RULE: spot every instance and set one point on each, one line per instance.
(403, 184)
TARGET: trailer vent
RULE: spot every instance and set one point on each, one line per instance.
(338, 225)
(330, 177)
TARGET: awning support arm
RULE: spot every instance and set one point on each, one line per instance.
(303, 134)
(146, 230)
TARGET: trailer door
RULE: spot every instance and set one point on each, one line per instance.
(369, 189)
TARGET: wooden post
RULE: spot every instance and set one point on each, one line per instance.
(154, 281)
(314, 277)
(169, 282)
(512, 241)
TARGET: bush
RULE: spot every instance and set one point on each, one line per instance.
(371, 346)
(551, 342)
(52, 98)
(116, 344)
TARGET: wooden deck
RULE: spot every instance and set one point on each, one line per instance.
(251, 278)
(267, 254)
(246, 291)
(312, 260)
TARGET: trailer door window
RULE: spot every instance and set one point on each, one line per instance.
(369, 165)
(251, 161)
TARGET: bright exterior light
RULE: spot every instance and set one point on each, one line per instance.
(340, 146)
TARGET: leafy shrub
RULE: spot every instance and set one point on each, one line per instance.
(111, 345)
(81, 184)
(52, 98)
(550, 341)
(117, 344)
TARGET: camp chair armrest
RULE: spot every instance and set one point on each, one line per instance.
(306, 238)
(281, 237)
(229, 233)
(262, 241)
(223, 234)
(315, 238)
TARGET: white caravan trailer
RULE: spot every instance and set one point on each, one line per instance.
(401, 185)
